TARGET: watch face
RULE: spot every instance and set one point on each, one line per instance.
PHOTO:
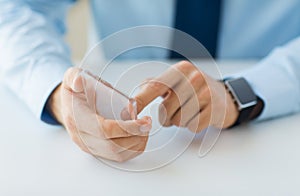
(242, 90)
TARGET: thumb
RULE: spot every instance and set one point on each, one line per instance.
(73, 80)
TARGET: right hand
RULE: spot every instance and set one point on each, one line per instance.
(115, 140)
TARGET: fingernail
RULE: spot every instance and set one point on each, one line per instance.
(77, 84)
(145, 128)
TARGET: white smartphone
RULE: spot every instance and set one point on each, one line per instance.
(108, 101)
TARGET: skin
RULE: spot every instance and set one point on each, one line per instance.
(192, 99)
(110, 139)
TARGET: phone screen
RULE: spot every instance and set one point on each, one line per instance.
(107, 101)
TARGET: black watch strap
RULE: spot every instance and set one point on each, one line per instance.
(244, 116)
(248, 104)
(251, 113)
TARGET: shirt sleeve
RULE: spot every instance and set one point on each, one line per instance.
(276, 79)
(33, 54)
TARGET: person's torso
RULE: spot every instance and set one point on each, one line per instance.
(248, 29)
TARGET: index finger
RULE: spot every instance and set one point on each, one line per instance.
(147, 94)
(158, 86)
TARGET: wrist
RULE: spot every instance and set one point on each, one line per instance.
(232, 112)
(257, 109)
(53, 105)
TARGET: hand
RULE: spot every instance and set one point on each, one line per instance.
(192, 99)
(109, 139)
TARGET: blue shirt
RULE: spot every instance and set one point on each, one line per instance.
(34, 56)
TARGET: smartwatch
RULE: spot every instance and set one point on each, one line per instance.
(244, 98)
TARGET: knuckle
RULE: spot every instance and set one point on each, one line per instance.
(155, 85)
(195, 102)
(184, 66)
(69, 72)
(197, 78)
(107, 126)
(113, 148)
(206, 92)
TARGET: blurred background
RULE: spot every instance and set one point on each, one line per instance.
(78, 21)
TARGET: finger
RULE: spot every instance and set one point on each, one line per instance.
(89, 122)
(147, 80)
(197, 102)
(76, 113)
(149, 92)
(184, 90)
(113, 146)
(92, 142)
(77, 137)
(123, 155)
(134, 146)
(200, 121)
(129, 112)
(177, 98)
(123, 144)
(119, 129)
(97, 147)
(186, 112)
(197, 80)
(132, 152)
(158, 87)
(85, 118)
(180, 95)
(73, 80)
(168, 108)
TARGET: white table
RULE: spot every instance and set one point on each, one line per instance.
(257, 159)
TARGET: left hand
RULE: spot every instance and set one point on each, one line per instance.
(192, 99)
